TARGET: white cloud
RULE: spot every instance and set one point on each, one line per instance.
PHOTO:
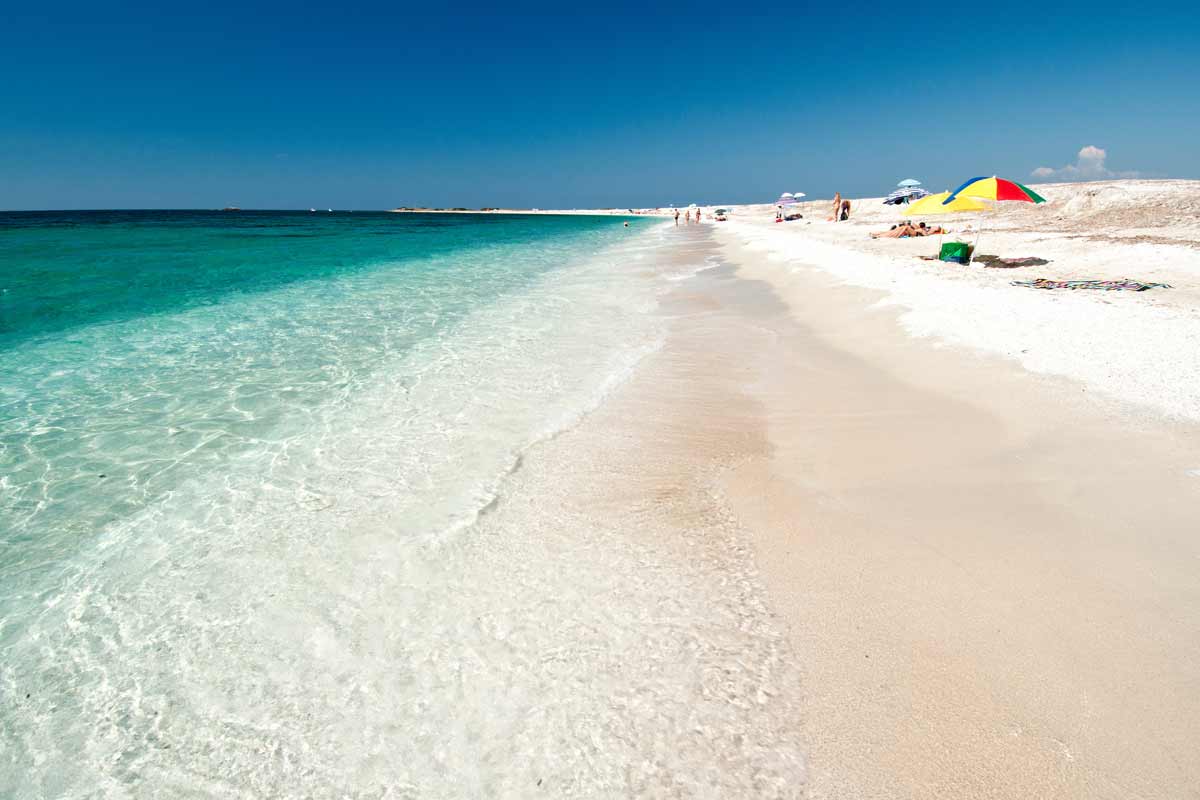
(1090, 165)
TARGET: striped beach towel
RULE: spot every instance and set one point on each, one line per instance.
(1123, 285)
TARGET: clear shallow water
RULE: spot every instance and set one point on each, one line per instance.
(242, 459)
(148, 347)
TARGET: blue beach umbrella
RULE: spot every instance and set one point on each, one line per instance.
(907, 182)
(899, 196)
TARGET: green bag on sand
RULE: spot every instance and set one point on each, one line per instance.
(958, 252)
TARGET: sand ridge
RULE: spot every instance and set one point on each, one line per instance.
(1141, 348)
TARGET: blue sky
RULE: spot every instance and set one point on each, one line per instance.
(375, 105)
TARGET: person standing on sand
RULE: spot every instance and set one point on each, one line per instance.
(677, 216)
(837, 206)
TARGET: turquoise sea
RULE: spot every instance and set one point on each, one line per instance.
(142, 350)
(242, 459)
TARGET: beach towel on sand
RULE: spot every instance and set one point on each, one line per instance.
(1009, 263)
(1123, 285)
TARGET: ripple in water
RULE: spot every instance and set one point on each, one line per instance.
(295, 578)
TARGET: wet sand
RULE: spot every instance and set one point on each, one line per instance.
(985, 580)
(671, 676)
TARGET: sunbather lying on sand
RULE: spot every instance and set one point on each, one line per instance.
(907, 229)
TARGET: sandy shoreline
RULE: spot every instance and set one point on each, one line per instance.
(985, 576)
(699, 693)
(972, 506)
(988, 576)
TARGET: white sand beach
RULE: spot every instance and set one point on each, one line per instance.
(1137, 347)
(975, 507)
(510, 403)
(738, 509)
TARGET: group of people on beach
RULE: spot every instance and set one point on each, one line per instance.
(906, 229)
(687, 215)
(841, 209)
(841, 213)
(903, 230)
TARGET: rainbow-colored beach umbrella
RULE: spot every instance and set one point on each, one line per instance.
(944, 203)
(997, 189)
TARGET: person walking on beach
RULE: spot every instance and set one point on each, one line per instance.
(837, 206)
(677, 216)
